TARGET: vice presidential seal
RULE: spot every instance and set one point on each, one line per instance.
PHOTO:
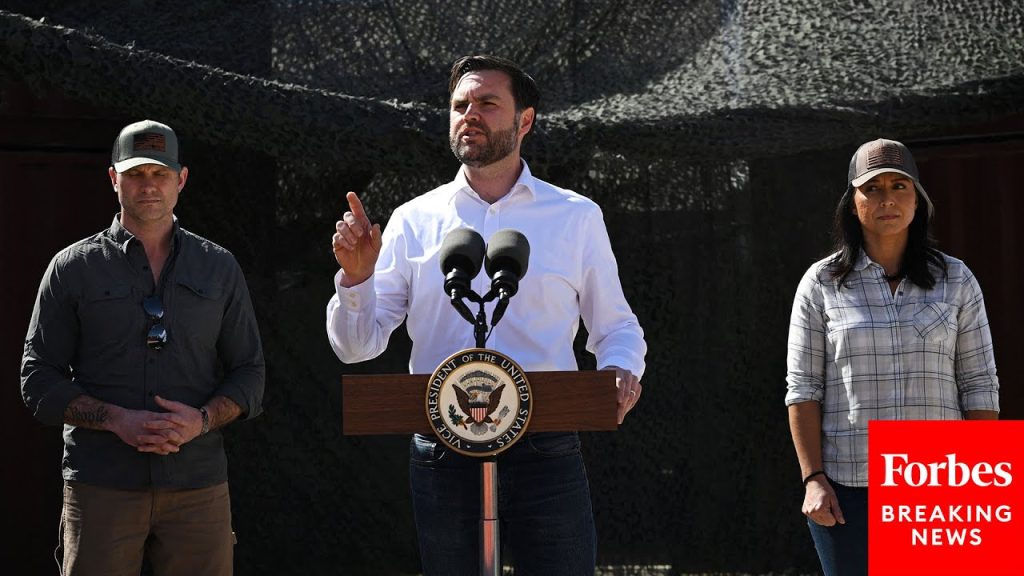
(479, 402)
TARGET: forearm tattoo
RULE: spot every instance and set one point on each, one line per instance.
(87, 414)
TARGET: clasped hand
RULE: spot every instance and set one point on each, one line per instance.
(161, 432)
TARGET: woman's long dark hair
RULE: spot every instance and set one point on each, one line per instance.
(918, 257)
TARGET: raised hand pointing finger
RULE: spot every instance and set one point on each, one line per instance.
(356, 243)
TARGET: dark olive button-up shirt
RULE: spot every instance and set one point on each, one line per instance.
(88, 336)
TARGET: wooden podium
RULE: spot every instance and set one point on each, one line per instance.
(583, 401)
(562, 401)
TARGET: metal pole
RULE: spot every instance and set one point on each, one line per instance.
(490, 540)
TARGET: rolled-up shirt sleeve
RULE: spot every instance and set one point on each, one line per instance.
(50, 344)
(975, 364)
(240, 350)
(805, 358)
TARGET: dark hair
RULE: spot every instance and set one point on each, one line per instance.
(524, 88)
(918, 256)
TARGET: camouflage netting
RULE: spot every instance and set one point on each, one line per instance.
(715, 136)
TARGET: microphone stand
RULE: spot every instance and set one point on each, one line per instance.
(480, 324)
(490, 537)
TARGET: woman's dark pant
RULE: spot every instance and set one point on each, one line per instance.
(843, 548)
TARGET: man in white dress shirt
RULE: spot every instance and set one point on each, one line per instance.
(388, 277)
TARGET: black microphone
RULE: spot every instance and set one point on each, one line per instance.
(508, 256)
(461, 254)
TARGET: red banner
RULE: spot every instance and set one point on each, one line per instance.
(946, 498)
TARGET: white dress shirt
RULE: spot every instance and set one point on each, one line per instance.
(571, 274)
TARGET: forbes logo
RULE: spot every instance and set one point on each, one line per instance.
(949, 473)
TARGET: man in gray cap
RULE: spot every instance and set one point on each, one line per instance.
(143, 344)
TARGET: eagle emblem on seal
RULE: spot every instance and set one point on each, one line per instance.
(479, 395)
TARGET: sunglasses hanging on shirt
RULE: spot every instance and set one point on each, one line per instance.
(156, 338)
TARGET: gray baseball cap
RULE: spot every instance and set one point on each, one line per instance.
(145, 142)
(878, 156)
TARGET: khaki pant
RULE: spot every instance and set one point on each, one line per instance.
(106, 532)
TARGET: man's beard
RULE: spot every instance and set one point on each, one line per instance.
(500, 144)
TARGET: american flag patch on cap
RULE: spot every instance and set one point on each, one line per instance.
(149, 141)
(884, 155)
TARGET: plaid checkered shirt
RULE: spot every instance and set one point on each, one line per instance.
(867, 354)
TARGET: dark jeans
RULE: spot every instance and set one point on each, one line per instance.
(843, 548)
(546, 520)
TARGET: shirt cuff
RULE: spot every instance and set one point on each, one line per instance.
(796, 394)
(636, 368)
(980, 400)
(51, 408)
(357, 297)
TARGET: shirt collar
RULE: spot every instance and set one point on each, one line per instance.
(863, 261)
(124, 238)
(525, 184)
